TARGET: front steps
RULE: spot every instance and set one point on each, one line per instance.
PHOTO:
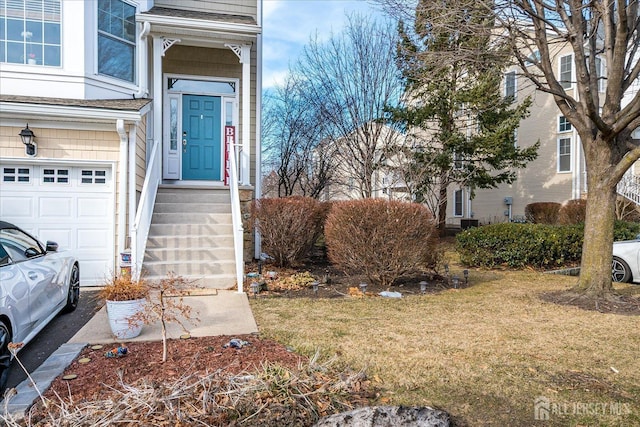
(191, 234)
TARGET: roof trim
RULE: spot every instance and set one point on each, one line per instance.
(198, 24)
(71, 112)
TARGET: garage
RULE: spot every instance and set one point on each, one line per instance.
(71, 204)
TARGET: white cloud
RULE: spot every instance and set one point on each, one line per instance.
(288, 25)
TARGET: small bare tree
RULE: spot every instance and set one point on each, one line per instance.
(351, 78)
(165, 303)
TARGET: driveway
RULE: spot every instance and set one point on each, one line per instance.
(56, 333)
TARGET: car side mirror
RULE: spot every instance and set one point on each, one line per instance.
(51, 246)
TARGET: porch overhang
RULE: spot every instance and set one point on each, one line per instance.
(200, 29)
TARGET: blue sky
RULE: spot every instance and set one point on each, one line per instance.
(288, 24)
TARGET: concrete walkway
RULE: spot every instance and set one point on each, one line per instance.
(220, 313)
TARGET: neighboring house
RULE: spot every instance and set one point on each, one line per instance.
(131, 103)
(557, 175)
(366, 161)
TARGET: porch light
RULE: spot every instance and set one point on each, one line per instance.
(27, 137)
(423, 287)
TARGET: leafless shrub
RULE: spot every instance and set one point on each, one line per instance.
(542, 212)
(288, 227)
(573, 212)
(382, 239)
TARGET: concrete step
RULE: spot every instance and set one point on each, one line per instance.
(216, 281)
(190, 230)
(190, 241)
(189, 268)
(193, 207)
(174, 255)
(190, 218)
(188, 195)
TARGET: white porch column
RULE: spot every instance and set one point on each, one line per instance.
(243, 52)
(122, 185)
(158, 53)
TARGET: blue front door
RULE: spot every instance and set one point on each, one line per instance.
(201, 138)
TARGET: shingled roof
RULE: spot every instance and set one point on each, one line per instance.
(204, 16)
(107, 104)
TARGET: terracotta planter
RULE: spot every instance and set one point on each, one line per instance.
(120, 314)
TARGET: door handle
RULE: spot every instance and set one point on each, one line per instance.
(184, 142)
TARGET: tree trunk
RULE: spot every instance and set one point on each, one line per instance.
(595, 272)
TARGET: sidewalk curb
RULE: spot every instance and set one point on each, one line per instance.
(25, 394)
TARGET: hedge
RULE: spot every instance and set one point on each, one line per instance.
(533, 245)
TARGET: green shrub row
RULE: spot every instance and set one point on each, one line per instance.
(534, 245)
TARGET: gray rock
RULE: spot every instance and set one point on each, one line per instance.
(387, 416)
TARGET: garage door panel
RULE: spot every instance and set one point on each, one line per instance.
(92, 207)
(70, 205)
(16, 207)
(55, 207)
(92, 238)
(62, 236)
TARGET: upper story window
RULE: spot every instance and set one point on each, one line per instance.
(30, 32)
(116, 39)
(566, 71)
(510, 85)
(564, 125)
(564, 155)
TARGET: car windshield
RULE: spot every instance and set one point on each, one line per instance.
(18, 245)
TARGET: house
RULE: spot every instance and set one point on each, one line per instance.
(558, 174)
(134, 106)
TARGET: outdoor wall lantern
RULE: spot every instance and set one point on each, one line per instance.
(27, 136)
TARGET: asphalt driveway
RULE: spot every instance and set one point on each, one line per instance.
(56, 333)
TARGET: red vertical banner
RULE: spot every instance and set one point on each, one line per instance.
(229, 140)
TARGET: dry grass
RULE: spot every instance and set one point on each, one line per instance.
(483, 354)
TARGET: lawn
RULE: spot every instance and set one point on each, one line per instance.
(483, 353)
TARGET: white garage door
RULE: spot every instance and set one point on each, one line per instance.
(70, 205)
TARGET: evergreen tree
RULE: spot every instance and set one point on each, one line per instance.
(461, 126)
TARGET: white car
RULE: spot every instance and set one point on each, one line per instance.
(626, 261)
(36, 283)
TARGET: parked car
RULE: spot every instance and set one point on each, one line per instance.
(36, 283)
(626, 261)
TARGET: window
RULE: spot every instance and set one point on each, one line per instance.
(457, 161)
(510, 85)
(564, 125)
(18, 245)
(116, 39)
(564, 155)
(566, 71)
(600, 74)
(30, 32)
(90, 176)
(60, 176)
(16, 174)
(458, 202)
